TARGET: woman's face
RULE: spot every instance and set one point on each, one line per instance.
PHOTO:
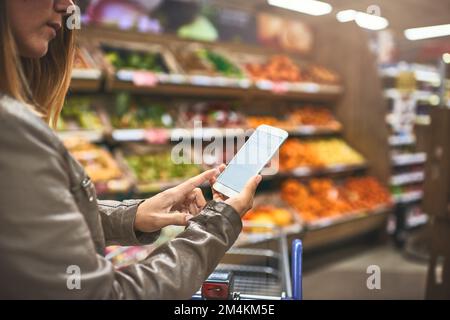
(34, 23)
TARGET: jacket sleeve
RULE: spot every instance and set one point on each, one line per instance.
(118, 223)
(47, 251)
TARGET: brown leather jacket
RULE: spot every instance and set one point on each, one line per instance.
(50, 220)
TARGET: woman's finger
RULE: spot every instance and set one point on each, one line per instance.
(188, 186)
(217, 196)
(200, 200)
(193, 209)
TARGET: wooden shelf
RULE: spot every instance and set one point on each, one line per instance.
(350, 227)
(174, 134)
(85, 85)
(302, 172)
(404, 140)
(408, 197)
(319, 94)
(409, 159)
(333, 221)
(407, 178)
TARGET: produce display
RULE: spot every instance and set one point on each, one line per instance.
(138, 113)
(159, 167)
(320, 118)
(135, 60)
(267, 214)
(217, 115)
(223, 65)
(98, 162)
(202, 61)
(321, 75)
(278, 68)
(313, 116)
(323, 198)
(78, 114)
(318, 153)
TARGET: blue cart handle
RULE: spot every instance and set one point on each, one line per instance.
(297, 250)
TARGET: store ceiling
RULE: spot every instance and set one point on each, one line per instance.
(401, 14)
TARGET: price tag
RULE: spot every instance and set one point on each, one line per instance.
(280, 87)
(199, 80)
(145, 79)
(157, 136)
(302, 171)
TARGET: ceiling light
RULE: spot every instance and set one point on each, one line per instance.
(312, 7)
(370, 21)
(346, 15)
(428, 32)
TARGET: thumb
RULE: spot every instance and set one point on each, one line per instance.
(250, 188)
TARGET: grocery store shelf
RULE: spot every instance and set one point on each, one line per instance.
(175, 134)
(331, 221)
(409, 159)
(401, 140)
(420, 95)
(311, 171)
(307, 92)
(415, 221)
(85, 85)
(331, 232)
(423, 120)
(89, 135)
(270, 232)
(421, 74)
(407, 178)
(312, 131)
(408, 197)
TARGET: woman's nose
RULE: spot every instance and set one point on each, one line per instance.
(62, 5)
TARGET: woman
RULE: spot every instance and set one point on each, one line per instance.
(51, 223)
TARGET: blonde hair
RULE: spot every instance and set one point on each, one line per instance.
(42, 83)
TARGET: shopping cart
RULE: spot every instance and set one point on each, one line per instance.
(257, 274)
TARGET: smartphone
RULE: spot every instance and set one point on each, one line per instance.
(259, 149)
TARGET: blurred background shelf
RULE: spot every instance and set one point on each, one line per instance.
(409, 159)
(408, 197)
(407, 178)
(317, 93)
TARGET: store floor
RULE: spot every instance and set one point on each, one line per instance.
(340, 273)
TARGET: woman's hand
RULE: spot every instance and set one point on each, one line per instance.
(243, 202)
(174, 206)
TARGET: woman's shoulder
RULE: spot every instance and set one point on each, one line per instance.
(18, 121)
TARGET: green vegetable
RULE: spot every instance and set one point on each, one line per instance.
(77, 113)
(134, 60)
(222, 65)
(160, 167)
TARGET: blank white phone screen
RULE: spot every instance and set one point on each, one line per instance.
(250, 159)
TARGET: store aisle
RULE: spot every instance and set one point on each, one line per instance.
(341, 274)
